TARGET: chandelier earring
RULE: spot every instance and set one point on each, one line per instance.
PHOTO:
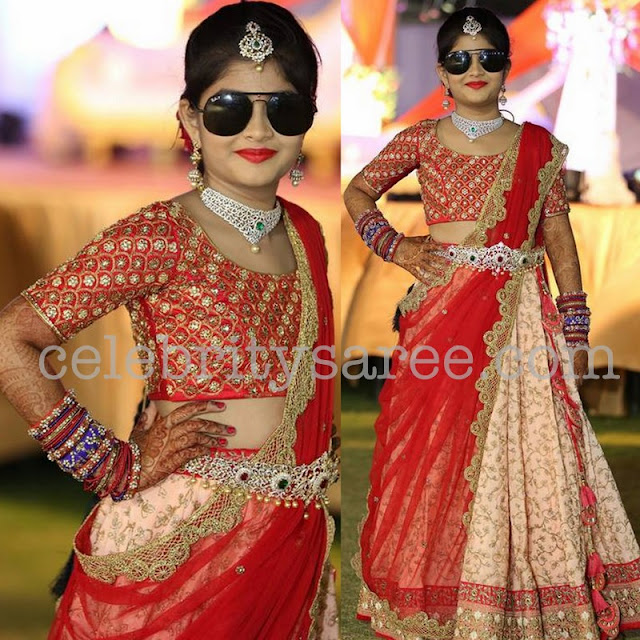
(296, 174)
(502, 99)
(446, 103)
(195, 175)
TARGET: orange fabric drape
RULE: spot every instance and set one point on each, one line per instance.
(371, 25)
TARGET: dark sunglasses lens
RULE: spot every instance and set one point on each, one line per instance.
(290, 114)
(493, 61)
(227, 114)
(457, 62)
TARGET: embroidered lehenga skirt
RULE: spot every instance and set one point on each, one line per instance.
(492, 513)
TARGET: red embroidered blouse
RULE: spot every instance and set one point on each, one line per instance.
(205, 324)
(453, 186)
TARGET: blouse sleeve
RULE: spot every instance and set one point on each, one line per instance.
(399, 158)
(132, 258)
(555, 204)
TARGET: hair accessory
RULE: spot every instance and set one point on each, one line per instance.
(474, 129)
(255, 45)
(253, 224)
(471, 27)
(446, 103)
(502, 99)
(296, 174)
(195, 176)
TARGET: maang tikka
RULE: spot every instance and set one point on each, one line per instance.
(255, 45)
(471, 27)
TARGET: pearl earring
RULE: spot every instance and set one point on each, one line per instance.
(296, 174)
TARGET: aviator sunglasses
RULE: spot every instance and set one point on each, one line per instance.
(227, 113)
(458, 62)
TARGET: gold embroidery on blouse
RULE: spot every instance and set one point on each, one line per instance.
(34, 305)
(492, 212)
(161, 557)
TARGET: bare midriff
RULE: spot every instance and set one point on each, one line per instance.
(451, 232)
(254, 419)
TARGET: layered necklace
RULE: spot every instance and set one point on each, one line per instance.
(253, 224)
(473, 129)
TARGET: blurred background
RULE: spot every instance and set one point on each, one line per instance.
(88, 95)
(575, 70)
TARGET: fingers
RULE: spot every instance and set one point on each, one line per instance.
(191, 409)
(203, 432)
(190, 453)
(148, 416)
(208, 440)
(423, 272)
(205, 426)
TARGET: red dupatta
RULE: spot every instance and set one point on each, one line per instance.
(247, 570)
(431, 432)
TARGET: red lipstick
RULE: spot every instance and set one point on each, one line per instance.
(477, 85)
(256, 155)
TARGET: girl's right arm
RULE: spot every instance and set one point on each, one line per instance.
(133, 258)
(23, 337)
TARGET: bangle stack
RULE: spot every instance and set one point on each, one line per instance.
(576, 318)
(378, 234)
(82, 447)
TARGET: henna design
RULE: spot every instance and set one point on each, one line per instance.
(168, 442)
(416, 255)
(561, 248)
(23, 336)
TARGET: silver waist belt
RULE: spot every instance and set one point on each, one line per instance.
(497, 258)
(306, 482)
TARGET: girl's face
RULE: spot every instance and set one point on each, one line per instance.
(254, 160)
(476, 87)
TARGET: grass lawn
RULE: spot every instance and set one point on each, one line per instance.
(620, 439)
(40, 510)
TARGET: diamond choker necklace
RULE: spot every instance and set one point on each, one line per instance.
(475, 128)
(253, 224)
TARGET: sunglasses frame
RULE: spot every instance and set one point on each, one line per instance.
(216, 96)
(479, 52)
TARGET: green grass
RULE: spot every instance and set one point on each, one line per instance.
(40, 511)
(620, 439)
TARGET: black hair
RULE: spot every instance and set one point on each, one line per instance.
(492, 29)
(214, 44)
